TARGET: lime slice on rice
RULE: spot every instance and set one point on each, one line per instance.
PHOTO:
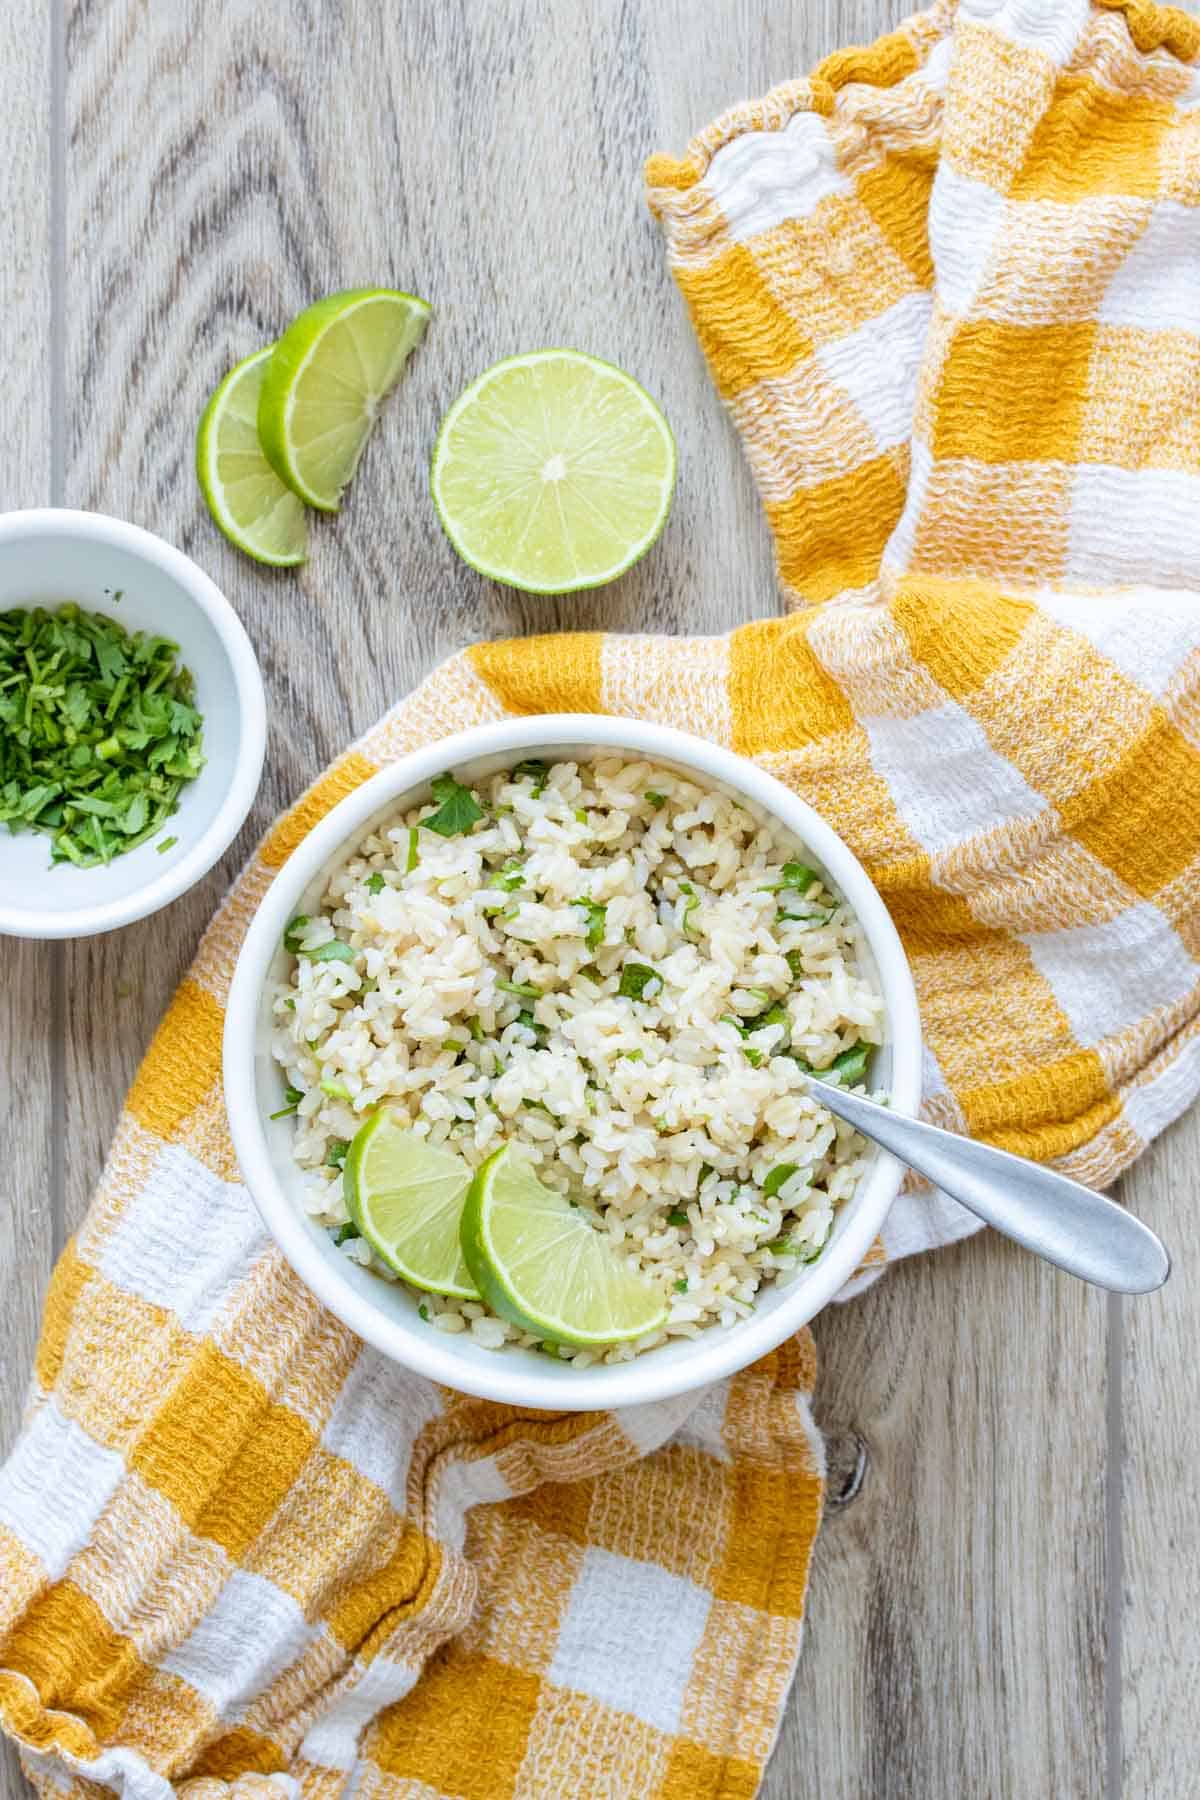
(245, 496)
(330, 372)
(406, 1197)
(553, 471)
(541, 1264)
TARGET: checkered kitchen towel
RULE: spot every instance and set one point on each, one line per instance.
(950, 288)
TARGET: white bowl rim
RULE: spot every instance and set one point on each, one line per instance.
(720, 1352)
(86, 921)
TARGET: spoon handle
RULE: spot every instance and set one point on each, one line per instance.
(1060, 1219)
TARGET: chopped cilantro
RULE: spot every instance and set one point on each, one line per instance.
(795, 875)
(511, 876)
(635, 979)
(423, 1310)
(851, 1065)
(812, 921)
(291, 933)
(681, 1286)
(657, 801)
(536, 772)
(414, 850)
(337, 1090)
(678, 1217)
(293, 1096)
(333, 951)
(475, 1027)
(457, 811)
(631, 1056)
(335, 1156)
(98, 732)
(753, 1057)
(596, 916)
(345, 1234)
(795, 963)
(525, 989)
(779, 1174)
(375, 883)
(690, 905)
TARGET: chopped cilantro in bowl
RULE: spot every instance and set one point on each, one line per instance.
(99, 733)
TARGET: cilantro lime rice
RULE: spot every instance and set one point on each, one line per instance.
(623, 974)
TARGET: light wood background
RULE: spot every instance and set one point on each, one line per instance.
(1007, 1592)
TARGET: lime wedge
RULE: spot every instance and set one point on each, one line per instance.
(539, 1263)
(245, 496)
(406, 1197)
(330, 373)
(554, 471)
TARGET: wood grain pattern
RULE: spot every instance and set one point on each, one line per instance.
(956, 1628)
(1159, 1593)
(223, 165)
(26, 969)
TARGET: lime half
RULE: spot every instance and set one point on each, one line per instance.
(254, 509)
(539, 1263)
(330, 372)
(406, 1197)
(553, 471)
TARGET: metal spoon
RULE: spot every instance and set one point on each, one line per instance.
(1062, 1220)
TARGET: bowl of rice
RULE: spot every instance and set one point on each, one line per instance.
(616, 949)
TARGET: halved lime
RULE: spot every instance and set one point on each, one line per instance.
(331, 371)
(553, 471)
(254, 509)
(542, 1265)
(406, 1197)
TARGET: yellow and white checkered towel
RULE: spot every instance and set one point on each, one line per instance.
(950, 287)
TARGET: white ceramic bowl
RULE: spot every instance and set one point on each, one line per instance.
(49, 556)
(386, 1315)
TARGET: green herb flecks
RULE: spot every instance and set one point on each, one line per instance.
(691, 904)
(678, 1217)
(293, 1096)
(375, 883)
(332, 951)
(510, 877)
(781, 1173)
(851, 1065)
(635, 979)
(345, 1234)
(795, 875)
(535, 772)
(292, 931)
(458, 811)
(335, 1156)
(657, 801)
(525, 989)
(596, 916)
(98, 732)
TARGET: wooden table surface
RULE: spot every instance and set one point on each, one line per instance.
(1007, 1588)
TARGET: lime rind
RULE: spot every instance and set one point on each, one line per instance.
(603, 499)
(406, 1198)
(256, 511)
(550, 1247)
(334, 366)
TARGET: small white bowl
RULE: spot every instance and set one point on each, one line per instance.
(50, 556)
(386, 1315)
